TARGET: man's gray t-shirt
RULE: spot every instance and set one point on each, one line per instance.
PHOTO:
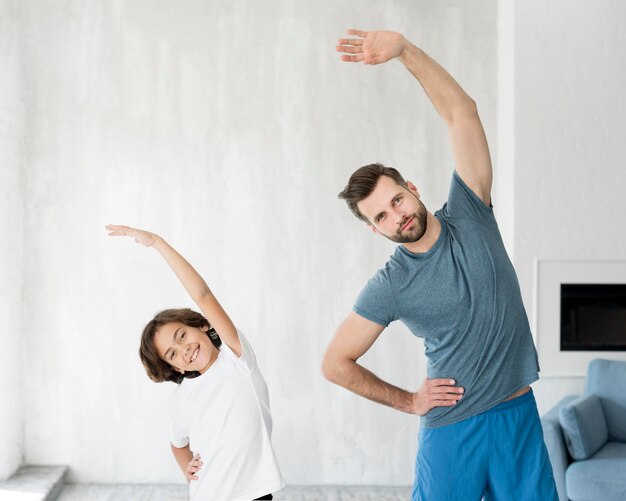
(462, 297)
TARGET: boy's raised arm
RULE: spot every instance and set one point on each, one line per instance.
(191, 280)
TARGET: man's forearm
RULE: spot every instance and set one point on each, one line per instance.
(447, 96)
(363, 382)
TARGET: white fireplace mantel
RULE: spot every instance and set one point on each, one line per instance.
(549, 275)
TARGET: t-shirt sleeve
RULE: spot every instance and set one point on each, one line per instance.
(375, 301)
(178, 437)
(464, 203)
(247, 357)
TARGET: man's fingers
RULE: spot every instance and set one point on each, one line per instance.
(446, 389)
(441, 382)
(350, 41)
(358, 33)
(353, 59)
(445, 403)
(445, 396)
(349, 49)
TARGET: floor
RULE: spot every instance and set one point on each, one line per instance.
(95, 492)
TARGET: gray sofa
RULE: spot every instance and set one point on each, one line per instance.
(586, 437)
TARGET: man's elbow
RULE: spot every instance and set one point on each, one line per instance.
(465, 110)
(331, 368)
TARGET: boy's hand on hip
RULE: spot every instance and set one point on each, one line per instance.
(193, 467)
(435, 393)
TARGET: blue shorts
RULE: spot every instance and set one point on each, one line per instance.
(499, 454)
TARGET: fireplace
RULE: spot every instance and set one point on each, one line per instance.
(579, 314)
(593, 317)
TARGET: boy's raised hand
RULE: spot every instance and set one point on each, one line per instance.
(141, 237)
(373, 47)
(193, 467)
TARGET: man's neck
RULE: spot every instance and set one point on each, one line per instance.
(424, 244)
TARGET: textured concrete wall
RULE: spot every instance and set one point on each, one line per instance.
(570, 75)
(229, 127)
(11, 217)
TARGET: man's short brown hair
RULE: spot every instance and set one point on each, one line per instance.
(363, 181)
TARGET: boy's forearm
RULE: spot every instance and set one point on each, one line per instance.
(183, 456)
(191, 280)
(447, 96)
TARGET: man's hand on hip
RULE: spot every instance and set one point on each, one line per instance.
(435, 393)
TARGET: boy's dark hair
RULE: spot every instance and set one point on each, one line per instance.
(158, 370)
(363, 181)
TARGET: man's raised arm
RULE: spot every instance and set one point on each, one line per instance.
(469, 144)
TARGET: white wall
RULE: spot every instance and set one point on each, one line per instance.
(569, 142)
(11, 217)
(229, 127)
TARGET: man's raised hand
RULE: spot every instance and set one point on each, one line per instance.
(373, 47)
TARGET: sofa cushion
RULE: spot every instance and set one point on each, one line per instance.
(607, 379)
(584, 426)
(600, 477)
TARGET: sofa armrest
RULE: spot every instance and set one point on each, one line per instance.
(555, 443)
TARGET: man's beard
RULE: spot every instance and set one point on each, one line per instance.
(420, 222)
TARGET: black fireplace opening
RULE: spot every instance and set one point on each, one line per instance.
(593, 317)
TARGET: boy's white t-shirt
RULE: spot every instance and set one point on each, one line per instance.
(224, 415)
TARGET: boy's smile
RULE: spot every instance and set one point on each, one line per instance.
(185, 348)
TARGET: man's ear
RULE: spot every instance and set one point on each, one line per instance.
(371, 226)
(412, 188)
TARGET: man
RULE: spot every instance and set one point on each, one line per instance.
(451, 282)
